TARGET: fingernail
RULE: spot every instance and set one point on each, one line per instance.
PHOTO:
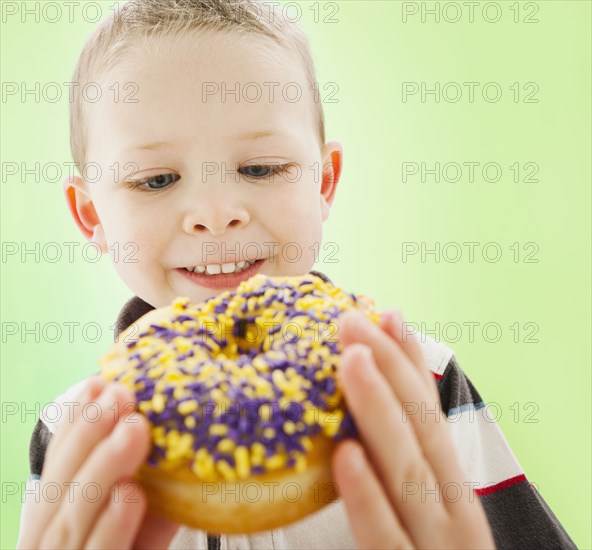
(108, 398)
(98, 381)
(355, 320)
(388, 316)
(397, 317)
(367, 359)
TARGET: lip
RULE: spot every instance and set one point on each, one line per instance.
(222, 280)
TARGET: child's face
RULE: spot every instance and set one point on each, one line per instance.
(207, 206)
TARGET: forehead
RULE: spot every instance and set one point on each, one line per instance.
(202, 86)
(207, 54)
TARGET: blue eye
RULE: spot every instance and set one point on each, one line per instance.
(253, 171)
(162, 181)
(264, 170)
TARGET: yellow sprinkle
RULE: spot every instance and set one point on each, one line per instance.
(225, 445)
(269, 433)
(218, 395)
(265, 411)
(268, 313)
(258, 449)
(263, 391)
(190, 422)
(306, 443)
(330, 422)
(202, 454)
(299, 396)
(275, 462)
(183, 344)
(159, 436)
(260, 364)
(158, 403)
(241, 457)
(289, 427)
(204, 468)
(173, 438)
(178, 446)
(227, 472)
(300, 465)
(179, 393)
(186, 407)
(218, 429)
(181, 302)
(278, 378)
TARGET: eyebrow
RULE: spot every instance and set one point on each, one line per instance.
(153, 146)
(259, 134)
(252, 136)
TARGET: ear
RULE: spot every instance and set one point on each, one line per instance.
(332, 155)
(83, 211)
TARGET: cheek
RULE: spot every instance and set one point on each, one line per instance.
(129, 229)
(305, 219)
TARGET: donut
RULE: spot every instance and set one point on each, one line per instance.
(244, 402)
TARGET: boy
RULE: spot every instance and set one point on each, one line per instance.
(211, 190)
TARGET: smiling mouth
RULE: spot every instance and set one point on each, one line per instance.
(217, 269)
(219, 276)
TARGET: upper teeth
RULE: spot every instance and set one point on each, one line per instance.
(215, 269)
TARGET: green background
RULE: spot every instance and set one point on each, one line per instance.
(541, 389)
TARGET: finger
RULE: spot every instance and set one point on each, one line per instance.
(420, 401)
(373, 521)
(119, 523)
(89, 391)
(118, 456)
(394, 363)
(391, 445)
(392, 323)
(52, 490)
(94, 422)
(155, 533)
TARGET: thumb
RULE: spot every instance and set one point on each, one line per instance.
(155, 532)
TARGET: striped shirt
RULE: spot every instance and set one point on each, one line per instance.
(518, 515)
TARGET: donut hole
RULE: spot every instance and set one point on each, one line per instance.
(241, 328)
(248, 335)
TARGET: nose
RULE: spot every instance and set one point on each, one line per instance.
(215, 216)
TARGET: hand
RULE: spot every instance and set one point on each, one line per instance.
(87, 498)
(391, 483)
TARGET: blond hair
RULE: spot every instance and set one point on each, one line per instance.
(138, 21)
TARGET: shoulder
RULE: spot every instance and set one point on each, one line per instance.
(132, 310)
(437, 355)
(37, 447)
(456, 389)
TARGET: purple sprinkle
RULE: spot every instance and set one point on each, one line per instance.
(182, 318)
